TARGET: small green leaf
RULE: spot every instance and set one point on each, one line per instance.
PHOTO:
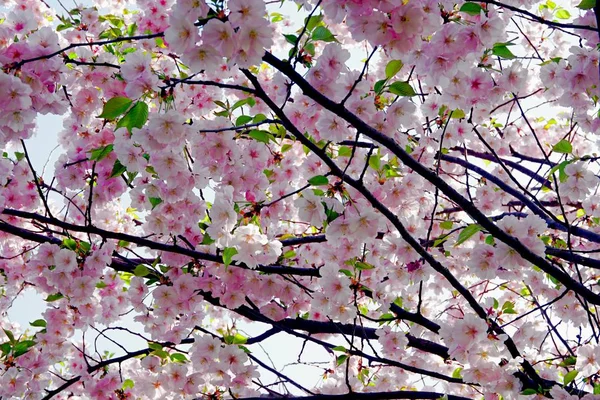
(10, 335)
(131, 29)
(136, 117)
(564, 146)
(22, 347)
(466, 233)
(363, 265)
(489, 239)
(379, 86)
(501, 50)
(312, 22)
(128, 384)
(141, 270)
(19, 156)
(400, 88)
(101, 152)
(457, 114)
(529, 392)
(243, 120)
(291, 39)
(5, 348)
(447, 225)
(322, 33)
(154, 346)
(563, 14)
(235, 339)
(374, 162)
(347, 272)
(344, 151)
(118, 169)
(70, 244)
(392, 68)
(457, 373)
(228, 253)
(568, 361)
(115, 107)
(339, 360)
(155, 201)
(54, 297)
(339, 348)
(261, 136)
(178, 357)
(570, 376)
(318, 180)
(471, 8)
(38, 323)
(586, 4)
(496, 304)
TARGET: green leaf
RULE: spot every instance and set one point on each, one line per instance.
(243, 120)
(54, 297)
(457, 373)
(501, 50)
(466, 233)
(19, 156)
(569, 361)
(9, 334)
(118, 169)
(261, 136)
(374, 162)
(5, 348)
(586, 4)
(564, 146)
(128, 384)
(228, 253)
(178, 357)
(471, 8)
(570, 376)
(344, 151)
(115, 107)
(440, 240)
(289, 254)
(154, 346)
(38, 323)
(235, 339)
(347, 272)
(155, 201)
(322, 33)
(318, 180)
(136, 117)
(529, 392)
(400, 88)
(241, 103)
(339, 360)
(392, 68)
(70, 244)
(141, 270)
(363, 265)
(563, 14)
(312, 22)
(339, 348)
(291, 39)
(132, 29)
(22, 347)
(489, 239)
(496, 304)
(379, 86)
(447, 225)
(101, 152)
(457, 114)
